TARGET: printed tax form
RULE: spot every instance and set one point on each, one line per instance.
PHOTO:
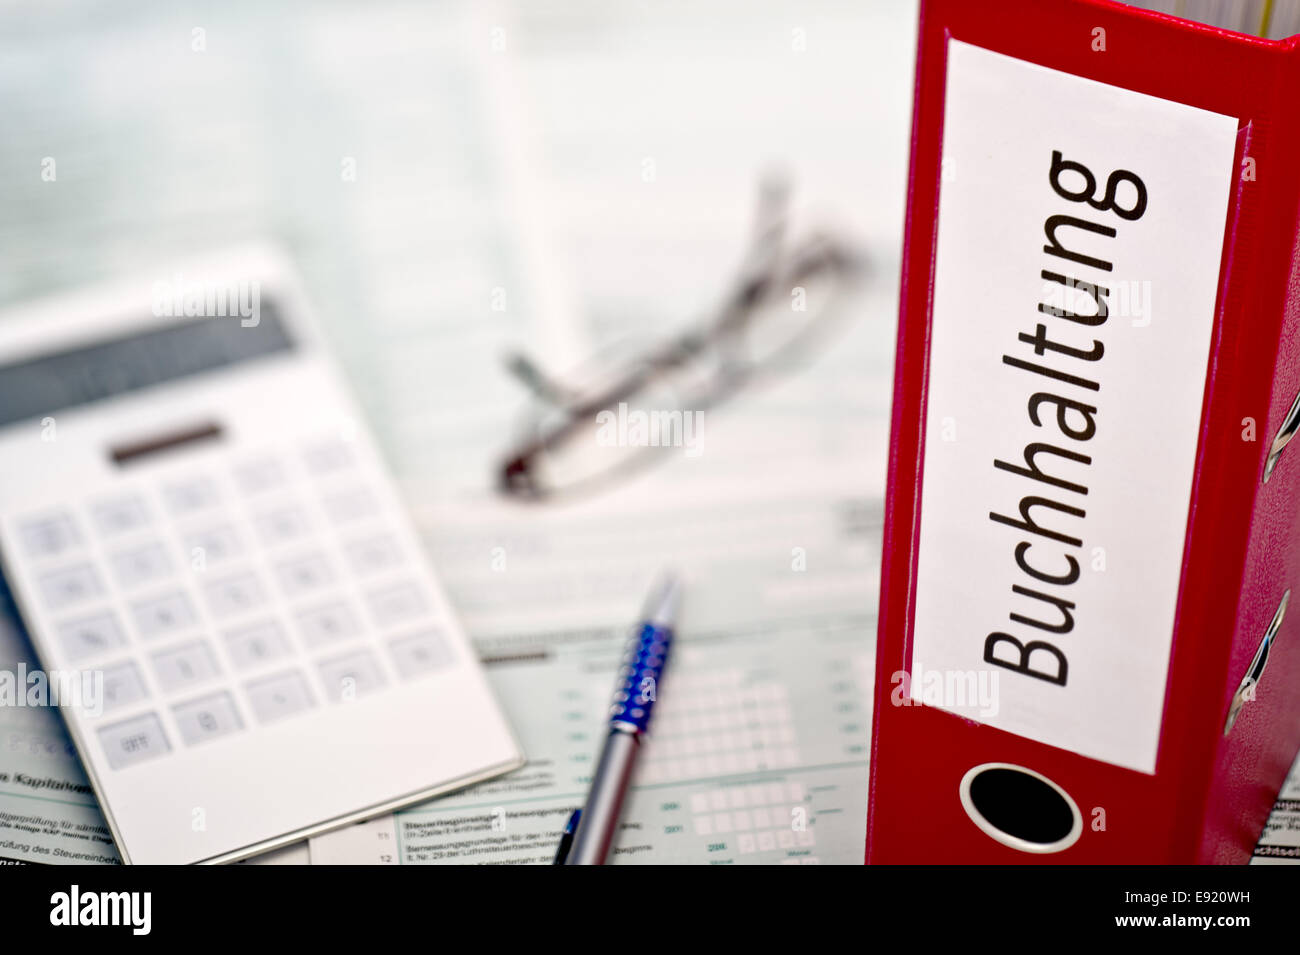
(759, 748)
(758, 753)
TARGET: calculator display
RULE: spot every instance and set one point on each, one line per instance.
(92, 372)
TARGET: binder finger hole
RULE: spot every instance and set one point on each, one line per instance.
(1020, 808)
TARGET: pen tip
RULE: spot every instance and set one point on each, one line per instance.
(665, 600)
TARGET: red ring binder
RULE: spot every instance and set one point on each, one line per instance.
(1194, 793)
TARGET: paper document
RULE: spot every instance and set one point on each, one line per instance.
(1279, 844)
(759, 744)
(47, 810)
(741, 767)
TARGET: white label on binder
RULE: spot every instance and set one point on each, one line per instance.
(1080, 231)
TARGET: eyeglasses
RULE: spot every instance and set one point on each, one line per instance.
(629, 404)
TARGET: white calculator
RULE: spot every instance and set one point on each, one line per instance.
(217, 572)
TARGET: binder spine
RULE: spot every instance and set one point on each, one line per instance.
(1254, 750)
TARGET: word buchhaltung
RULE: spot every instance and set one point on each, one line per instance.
(1063, 391)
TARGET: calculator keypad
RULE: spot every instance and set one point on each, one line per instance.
(185, 666)
(91, 635)
(134, 740)
(137, 566)
(238, 597)
(123, 686)
(48, 536)
(70, 586)
(279, 696)
(303, 575)
(282, 525)
(163, 615)
(253, 646)
(349, 676)
(327, 624)
(207, 718)
(236, 594)
(212, 545)
(119, 515)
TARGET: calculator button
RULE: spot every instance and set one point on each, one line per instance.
(212, 545)
(122, 685)
(184, 666)
(322, 625)
(351, 505)
(279, 696)
(420, 653)
(303, 575)
(394, 604)
(328, 457)
(350, 676)
(134, 741)
(282, 525)
(236, 594)
(140, 565)
(207, 718)
(162, 615)
(85, 638)
(72, 585)
(256, 477)
(255, 645)
(190, 497)
(371, 555)
(119, 515)
(49, 536)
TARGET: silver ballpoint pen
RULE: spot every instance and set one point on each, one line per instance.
(590, 832)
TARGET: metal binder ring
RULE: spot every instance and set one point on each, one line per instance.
(1020, 808)
(1284, 435)
(1256, 669)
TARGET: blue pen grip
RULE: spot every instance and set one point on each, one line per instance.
(642, 670)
